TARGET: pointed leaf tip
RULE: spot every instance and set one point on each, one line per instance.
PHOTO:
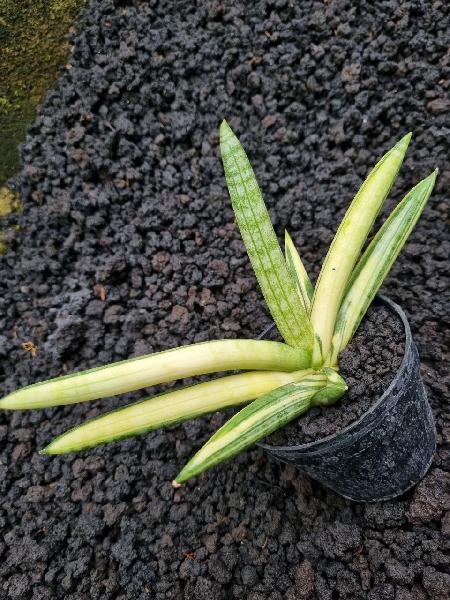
(432, 176)
(403, 144)
(225, 128)
(429, 181)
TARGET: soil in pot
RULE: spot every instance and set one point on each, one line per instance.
(368, 365)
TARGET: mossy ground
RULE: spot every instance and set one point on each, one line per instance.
(9, 202)
(33, 43)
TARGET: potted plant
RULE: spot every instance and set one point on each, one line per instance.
(382, 454)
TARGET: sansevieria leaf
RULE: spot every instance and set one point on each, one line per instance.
(298, 272)
(145, 371)
(377, 261)
(262, 245)
(346, 247)
(262, 417)
(170, 408)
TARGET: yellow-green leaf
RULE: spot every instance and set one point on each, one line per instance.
(145, 371)
(170, 408)
(376, 263)
(298, 272)
(262, 417)
(346, 247)
(262, 245)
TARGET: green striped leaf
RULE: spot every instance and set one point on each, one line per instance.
(346, 247)
(262, 244)
(298, 272)
(262, 417)
(377, 261)
(170, 408)
(145, 371)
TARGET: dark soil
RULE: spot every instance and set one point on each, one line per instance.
(127, 244)
(368, 365)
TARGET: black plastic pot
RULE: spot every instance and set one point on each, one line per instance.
(387, 450)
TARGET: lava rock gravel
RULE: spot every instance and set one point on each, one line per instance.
(127, 245)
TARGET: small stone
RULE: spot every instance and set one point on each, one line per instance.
(350, 73)
(431, 498)
(304, 579)
(249, 575)
(438, 106)
(269, 120)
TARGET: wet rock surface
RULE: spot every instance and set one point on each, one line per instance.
(128, 245)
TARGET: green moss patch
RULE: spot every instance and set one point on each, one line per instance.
(33, 44)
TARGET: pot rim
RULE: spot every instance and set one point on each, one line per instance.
(344, 437)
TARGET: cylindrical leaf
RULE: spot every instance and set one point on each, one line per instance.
(376, 263)
(145, 371)
(170, 408)
(262, 244)
(298, 272)
(346, 247)
(262, 417)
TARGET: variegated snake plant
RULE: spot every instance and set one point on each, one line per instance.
(281, 380)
